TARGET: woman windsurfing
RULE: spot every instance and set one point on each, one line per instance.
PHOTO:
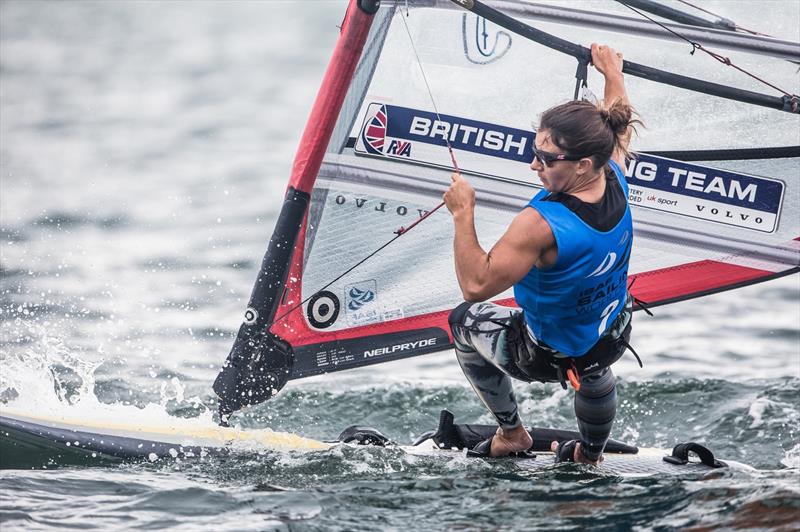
(566, 256)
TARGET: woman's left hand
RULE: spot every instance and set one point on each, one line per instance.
(460, 197)
(606, 60)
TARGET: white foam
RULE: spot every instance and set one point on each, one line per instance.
(792, 457)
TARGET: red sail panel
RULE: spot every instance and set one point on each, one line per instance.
(695, 279)
(325, 351)
(296, 331)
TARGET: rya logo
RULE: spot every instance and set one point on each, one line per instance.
(400, 148)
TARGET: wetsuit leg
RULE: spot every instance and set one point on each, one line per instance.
(595, 408)
(479, 331)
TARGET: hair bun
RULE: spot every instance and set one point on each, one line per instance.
(618, 117)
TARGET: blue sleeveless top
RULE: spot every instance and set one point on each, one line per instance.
(571, 304)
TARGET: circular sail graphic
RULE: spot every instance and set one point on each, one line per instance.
(323, 309)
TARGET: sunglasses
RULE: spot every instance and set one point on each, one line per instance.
(548, 158)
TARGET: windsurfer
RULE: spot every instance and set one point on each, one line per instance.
(566, 255)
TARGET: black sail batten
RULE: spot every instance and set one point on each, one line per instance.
(676, 15)
(581, 53)
(730, 154)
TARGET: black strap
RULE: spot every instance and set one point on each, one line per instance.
(642, 304)
(451, 435)
(680, 455)
(482, 450)
(581, 76)
(632, 350)
(565, 452)
(561, 376)
(602, 355)
(362, 435)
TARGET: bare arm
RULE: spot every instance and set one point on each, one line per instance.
(609, 63)
(482, 275)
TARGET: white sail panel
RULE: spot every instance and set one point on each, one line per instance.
(698, 228)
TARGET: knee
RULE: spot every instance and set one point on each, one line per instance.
(596, 402)
(456, 316)
(596, 410)
(598, 384)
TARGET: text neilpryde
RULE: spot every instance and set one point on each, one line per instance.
(399, 348)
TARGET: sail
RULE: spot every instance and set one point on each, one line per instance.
(354, 287)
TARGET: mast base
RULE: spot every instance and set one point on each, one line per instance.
(255, 371)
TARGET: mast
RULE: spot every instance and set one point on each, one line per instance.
(259, 363)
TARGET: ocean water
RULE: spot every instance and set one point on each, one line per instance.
(144, 151)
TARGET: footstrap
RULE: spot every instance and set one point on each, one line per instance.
(565, 452)
(451, 435)
(482, 450)
(680, 455)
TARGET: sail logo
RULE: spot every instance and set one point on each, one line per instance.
(475, 37)
(470, 137)
(711, 194)
(400, 148)
(373, 134)
(391, 131)
(502, 152)
(357, 297)
(375, 205)
(604, 266)
(399, 348)
(361, 303)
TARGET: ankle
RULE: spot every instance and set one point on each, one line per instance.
(516, 433)
(588, 457)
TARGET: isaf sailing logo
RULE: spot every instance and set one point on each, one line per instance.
(604, 266)
(361, 303)
(358, 298)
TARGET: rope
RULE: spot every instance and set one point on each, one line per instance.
(356, 265)
(706, 11)
(793, 98)
(430, 93)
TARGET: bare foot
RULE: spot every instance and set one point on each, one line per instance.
(577, 456)
(510, 441)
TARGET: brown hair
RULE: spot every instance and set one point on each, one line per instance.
(583, 128)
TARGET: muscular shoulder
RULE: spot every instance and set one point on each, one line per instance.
(532, 229)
